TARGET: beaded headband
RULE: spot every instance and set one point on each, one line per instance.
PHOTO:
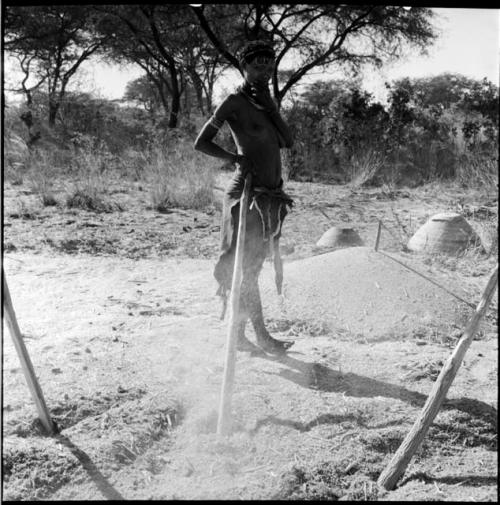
(251, 51)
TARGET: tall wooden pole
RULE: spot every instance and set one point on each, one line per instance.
(224, 419)
(397, 466)
(27, 366)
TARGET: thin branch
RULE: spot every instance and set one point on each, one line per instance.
(214, 39)
(283, 16)
(322, 58)
(290, 42)
(141, 41)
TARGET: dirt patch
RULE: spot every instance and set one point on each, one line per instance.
(128, 347)
(124, 429)
(72, 411)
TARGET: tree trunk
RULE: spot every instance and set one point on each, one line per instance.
(198, 87)
(176, 96)
(174, 110)
(53, 108)
(209, 97)
(185, 93)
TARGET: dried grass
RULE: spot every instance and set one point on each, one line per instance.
(90, 180)
(365, 166)
(16, 158)
(476, 169)
(42, 176)
(180, 177)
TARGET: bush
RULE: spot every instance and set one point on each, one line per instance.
(442, 128)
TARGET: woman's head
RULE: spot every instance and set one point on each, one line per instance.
(257, 60)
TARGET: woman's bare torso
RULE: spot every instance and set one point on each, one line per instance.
(256, 138)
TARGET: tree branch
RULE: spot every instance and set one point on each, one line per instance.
(337, 42)
(214, 39)
(290, 42)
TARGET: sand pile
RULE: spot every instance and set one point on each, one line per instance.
(365, 292)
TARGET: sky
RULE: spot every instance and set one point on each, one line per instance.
(469, 44)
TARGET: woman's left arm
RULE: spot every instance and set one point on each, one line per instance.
(263, 96)
(283, 130)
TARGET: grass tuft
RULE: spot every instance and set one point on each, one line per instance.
(365, 166)
(89, 189)
(88, 199)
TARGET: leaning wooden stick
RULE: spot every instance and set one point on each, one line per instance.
(224, 419)
(379, 229)
(397, 466)
(27, 366)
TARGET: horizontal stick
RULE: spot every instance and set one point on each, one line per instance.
(428, 279)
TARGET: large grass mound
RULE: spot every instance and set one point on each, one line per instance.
(363, 291)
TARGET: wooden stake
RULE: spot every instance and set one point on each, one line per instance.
(224, 420)
(377, 240)
(27, 366)
(397, 466)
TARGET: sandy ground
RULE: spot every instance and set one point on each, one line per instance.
(121, 321)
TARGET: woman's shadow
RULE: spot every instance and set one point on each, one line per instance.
(319, 377)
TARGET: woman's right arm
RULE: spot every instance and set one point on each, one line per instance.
(204, 141)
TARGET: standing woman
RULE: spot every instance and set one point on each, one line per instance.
(259, 133)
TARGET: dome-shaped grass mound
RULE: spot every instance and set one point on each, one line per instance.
(363, 291)
(447, 233)
(338, 237)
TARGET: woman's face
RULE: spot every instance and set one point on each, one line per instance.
(259, 70)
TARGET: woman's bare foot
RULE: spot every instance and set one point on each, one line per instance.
(273, 346)
(243, 344)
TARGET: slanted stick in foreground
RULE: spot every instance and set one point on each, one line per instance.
(24, 358)
(397, 466)
(224, 419)
(379, 229)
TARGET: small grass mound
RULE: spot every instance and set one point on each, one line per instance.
(96, 245)
(49, 200)
(383, 441)
(298, 327)
(90, 201)
(36, 468)
(70, 412)
(463, 429)
(327, 481)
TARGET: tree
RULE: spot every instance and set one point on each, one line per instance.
(166, 42)
(140, 33)
(472, 103)
(448, 89)
(203, 65)
(51, 42)
(318, 35)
